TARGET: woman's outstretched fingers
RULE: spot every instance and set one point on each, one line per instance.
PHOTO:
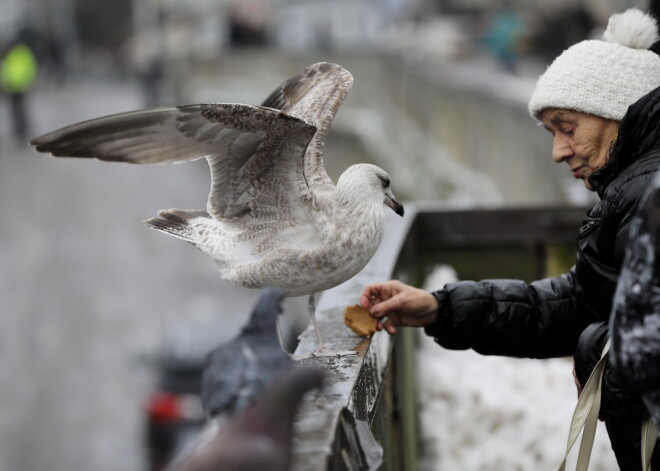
(386, 308)
(371, 295)
(396, 304)
(367, 300)
(387, 325)
(378, 292)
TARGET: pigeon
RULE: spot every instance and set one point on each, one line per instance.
(259, 438)
(238, 371)
(273, 216)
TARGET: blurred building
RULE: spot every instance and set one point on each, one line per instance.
(338, 25)
(67, 31)
(156, 41)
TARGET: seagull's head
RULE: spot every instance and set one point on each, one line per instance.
(369, 182)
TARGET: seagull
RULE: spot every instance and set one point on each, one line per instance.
(258, 438)
(273, 216)
(238, 371)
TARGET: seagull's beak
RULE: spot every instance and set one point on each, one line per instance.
(391, 201)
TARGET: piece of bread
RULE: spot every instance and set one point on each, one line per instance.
(360, 321)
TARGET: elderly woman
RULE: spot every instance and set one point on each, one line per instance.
(601, 102)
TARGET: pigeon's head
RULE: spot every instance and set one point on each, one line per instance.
(366, 182)
(264, 314)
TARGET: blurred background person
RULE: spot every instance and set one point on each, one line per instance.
(17, 75)
(503, 37)
(149, 65)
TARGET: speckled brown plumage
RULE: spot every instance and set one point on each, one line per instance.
(273, 216)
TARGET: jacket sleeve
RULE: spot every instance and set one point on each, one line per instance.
(509, 317)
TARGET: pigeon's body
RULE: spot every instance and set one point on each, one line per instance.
(273, 216)
(238, 371)
(259, 438)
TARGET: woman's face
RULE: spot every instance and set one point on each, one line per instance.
(581, 140)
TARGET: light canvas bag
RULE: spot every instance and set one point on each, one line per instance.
(585, 419)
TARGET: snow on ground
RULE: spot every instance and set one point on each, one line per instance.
(492, 413)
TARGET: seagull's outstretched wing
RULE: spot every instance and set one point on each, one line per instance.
(255, 153)
(314, 95)
(139, 137)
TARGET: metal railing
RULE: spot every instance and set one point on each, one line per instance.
(377, 387)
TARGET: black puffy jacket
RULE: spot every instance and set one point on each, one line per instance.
(547, 318)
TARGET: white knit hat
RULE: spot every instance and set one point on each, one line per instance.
(603, 77)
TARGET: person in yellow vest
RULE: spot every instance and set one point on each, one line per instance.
(17, 74)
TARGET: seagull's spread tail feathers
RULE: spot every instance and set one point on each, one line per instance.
(175, 222)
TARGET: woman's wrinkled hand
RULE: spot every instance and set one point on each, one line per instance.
(396, 304)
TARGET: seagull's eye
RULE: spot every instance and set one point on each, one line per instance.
(385, 181)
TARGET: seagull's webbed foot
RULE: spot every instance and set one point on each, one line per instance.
(321, 350)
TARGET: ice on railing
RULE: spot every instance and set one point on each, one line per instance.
(496, 413)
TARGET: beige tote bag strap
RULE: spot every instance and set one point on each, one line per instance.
(649, 438)
(586, 415)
